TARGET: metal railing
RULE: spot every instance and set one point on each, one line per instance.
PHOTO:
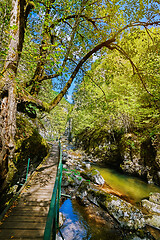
(52, 223)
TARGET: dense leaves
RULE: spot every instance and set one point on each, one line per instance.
(113, 96)
(54, 40)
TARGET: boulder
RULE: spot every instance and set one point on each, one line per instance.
(155, 197)
(94, 176)
(71, 178)
(82, 192)
(153, 221)
(151, 207)
(128, 216)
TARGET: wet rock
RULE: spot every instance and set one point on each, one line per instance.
(87, 165)
(94, 176)
(71, 178)
(153, 220)
(128, 216)
(155, 197)
(92, 198)
(82, 192)
(67, 180)
(61, 219)
(151, 206)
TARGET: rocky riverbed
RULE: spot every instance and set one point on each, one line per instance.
(100, 201)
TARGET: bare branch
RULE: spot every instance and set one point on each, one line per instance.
(50, 76)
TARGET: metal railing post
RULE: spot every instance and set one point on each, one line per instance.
(27, 168)
(52, 223)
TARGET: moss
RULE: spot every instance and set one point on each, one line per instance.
(29, 144)
(102, 196)
(94, 172)
(12, 170)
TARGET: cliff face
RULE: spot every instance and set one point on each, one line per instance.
(133, 153)
(140, 157)
(29, 144)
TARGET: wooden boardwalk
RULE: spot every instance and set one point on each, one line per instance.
(26, 219)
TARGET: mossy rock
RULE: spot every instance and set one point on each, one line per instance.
(94, 176)
(128, 216)
(29, 144)
(12, 170)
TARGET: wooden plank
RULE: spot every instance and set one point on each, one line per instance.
(22, 225)
(31, 208)
(28, 218)
(24, 218)
(34, 203)
(28, 213)
(21, 233)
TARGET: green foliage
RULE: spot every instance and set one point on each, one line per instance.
(112, 96)
(59, 34)
(55, 121)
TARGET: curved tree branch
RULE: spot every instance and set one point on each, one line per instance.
(78, 67)
(48, 107)
(110, 45)
(117, 47)
(136, 24)
(91, 78)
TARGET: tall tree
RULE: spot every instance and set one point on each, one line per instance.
(62, 36)
(113, 96)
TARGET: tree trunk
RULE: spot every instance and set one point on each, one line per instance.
(8, 92)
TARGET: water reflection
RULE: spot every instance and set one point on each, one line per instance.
(78, 227)
(74, 227)
(130, 186)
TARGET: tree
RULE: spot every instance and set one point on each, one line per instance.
(113, 97)
(63, 36)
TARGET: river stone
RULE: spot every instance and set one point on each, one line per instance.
(151, 206)
(82, 192)
(155, 198)
(153, 221)
(128, 216)
(61, 219)
(94, 176)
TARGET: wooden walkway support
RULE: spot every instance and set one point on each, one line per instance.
(27, 218)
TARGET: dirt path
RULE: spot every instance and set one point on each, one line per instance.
(27, 218)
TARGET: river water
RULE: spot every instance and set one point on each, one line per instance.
(76, 225)
(133, 187)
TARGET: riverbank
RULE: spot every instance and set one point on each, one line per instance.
(94, 195)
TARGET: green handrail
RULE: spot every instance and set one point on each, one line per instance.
(27, 168)
(52, 223)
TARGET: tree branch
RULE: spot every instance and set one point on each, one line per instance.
(78, 67)
(136, 24)
(91, 78)
(115, 46)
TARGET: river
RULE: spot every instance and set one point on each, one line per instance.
(132, 187)
(77, 226)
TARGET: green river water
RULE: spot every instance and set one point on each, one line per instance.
(133, 187)
(78, 227)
